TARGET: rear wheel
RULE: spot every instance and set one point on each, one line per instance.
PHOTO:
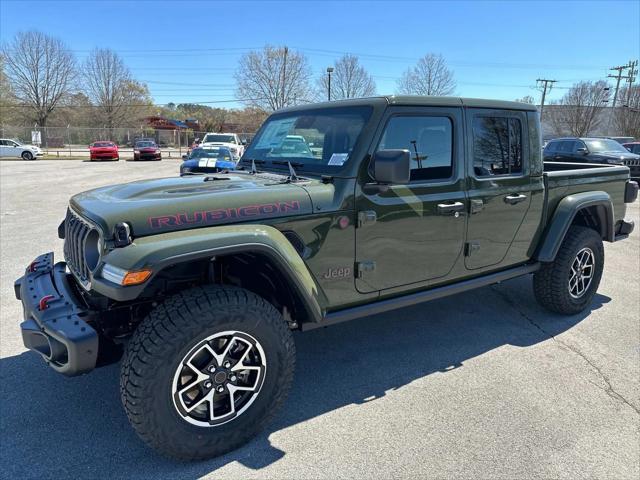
(567, 285)
(206, 370)
(27, 155)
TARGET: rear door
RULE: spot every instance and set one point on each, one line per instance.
(564, 151)
(499, 184)
(415, 232)
(13, 149)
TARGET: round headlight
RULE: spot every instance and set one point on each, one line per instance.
(92, 249)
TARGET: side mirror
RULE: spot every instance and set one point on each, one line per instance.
(582, 151)
(392, 167)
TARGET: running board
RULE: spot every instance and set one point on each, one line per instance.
(420, 297)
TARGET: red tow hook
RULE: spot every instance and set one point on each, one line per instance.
(44, 301)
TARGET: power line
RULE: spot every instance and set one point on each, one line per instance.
(141, 105)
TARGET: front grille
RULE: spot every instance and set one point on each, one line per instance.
(632, 163)
(76, 231)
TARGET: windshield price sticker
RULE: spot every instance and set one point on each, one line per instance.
(338, 159)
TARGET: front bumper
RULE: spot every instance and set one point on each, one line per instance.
(55, 318)
(103, 156)
(147, 156)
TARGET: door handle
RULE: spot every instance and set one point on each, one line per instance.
(450, 208)
(515, 198)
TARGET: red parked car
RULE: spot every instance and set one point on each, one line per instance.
(103, 151)
(146, 150)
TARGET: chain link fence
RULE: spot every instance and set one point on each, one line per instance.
(69, 140)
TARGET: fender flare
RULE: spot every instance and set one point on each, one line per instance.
(158, 252)
(564, 215)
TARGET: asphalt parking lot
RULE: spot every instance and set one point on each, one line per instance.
(480, 385)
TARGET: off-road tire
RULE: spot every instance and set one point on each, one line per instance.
(551, 282)
(27, 156)
(160, 343)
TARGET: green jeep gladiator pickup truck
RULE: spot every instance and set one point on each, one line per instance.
(199, 281)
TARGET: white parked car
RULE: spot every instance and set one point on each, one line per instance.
(15, 149)
(230, 140)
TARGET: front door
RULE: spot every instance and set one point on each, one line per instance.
(415, 232)
(499, 185)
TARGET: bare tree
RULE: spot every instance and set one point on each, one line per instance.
(41, 71)
(111, 88)
(579, 111)
(7, 97)
(526, 99)
(273, 78)
(430, 76)
(627, 118)
(348, 80)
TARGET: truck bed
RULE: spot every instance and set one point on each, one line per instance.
(565, 178)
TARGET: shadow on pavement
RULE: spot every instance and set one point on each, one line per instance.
(52, 426)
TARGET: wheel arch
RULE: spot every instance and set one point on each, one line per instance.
(263, 251)
(588, 209)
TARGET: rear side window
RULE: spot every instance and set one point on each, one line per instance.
(497, 146)
(429, 141)
(567, 146)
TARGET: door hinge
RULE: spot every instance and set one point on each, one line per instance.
(470, 248)
(366, 217)
(364, 267)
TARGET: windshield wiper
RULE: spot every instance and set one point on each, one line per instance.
(293, 177)
(286, 162)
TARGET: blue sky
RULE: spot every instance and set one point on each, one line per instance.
(187, 51)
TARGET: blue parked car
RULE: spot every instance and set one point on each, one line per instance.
(207, 160)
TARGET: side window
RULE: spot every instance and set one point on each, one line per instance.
(566, 146)
(551, 147)
(497, 146)
(578, 144)
(428, 139)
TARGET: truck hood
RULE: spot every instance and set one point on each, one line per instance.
(618, 155)
(169, 204)
(220, 144)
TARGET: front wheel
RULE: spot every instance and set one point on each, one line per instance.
(206, 371)
(27, 156)
(567, 285)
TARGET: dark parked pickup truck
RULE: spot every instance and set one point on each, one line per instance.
(200, 280)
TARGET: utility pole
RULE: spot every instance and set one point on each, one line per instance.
(633, 71)
(546, 85)
(329, 70)
(618, 77)
(284, 75)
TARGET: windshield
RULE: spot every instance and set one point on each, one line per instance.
(145, 144)
(221, 154)
(103, 144)
(218, 138)
(605, 145)
(317, 138)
